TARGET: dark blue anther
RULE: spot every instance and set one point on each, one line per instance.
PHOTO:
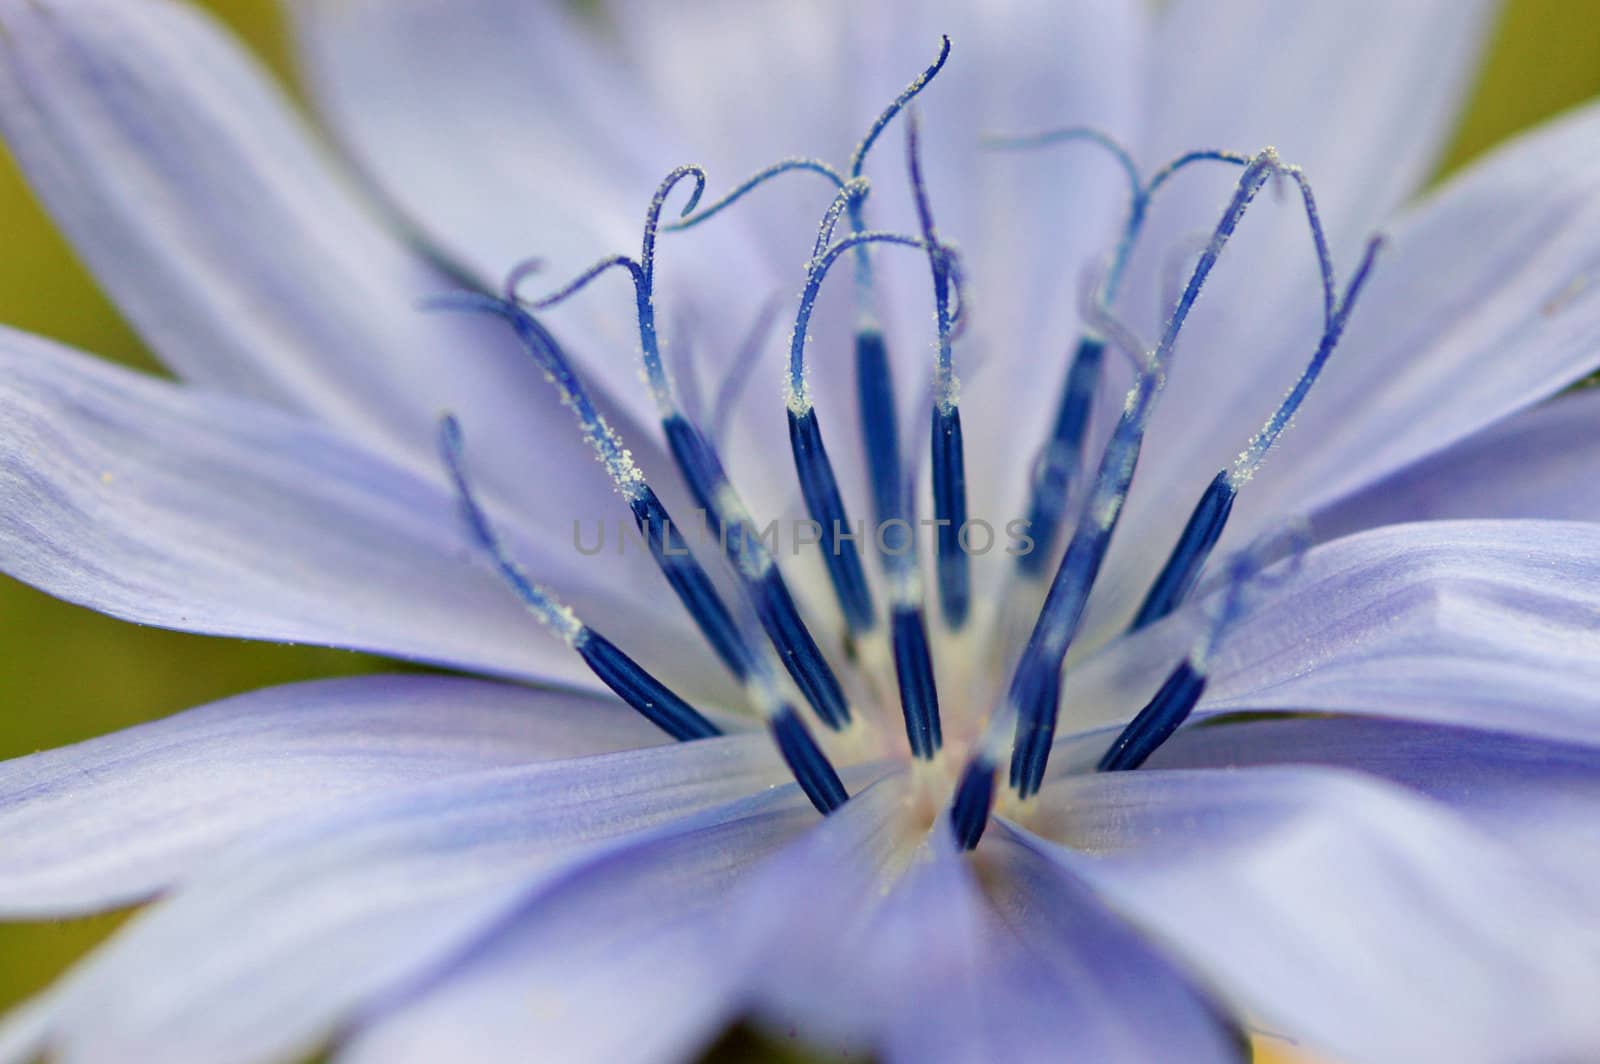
(974, 801)
(801, 656)
(691, 582)
(641, 690)
(811, 767)
(919, 697)
(950, 510)
(699, 464)
(826, 506)
(1063, 454)
(687, 577)
(880, 426)
(1037, 685)
(1194, 547)
(614, 668)
(1156, 721)
(774, 606)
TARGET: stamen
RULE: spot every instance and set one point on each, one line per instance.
(1181, 691)
(1210, 515)
(651, 698)
(1036, 682)
(1060, 459)
(708, 481)
(1029, 709)
(879, 420)
(688, 578)
(626, 677)
(947, 452)
(825, 504)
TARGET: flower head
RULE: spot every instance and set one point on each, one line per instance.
(1194, 743)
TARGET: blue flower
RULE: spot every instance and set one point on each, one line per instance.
(1346, 797)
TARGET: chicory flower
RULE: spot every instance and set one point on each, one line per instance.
(1122, 795)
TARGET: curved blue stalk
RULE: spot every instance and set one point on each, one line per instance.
(1036, 683)
(707, 479)
(1210, 516)
(635, 686)
(947, 452)
(687, 577)
(1060, 460)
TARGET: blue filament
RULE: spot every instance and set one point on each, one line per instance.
(919, 697)
(810, 766)
(635, 686)
(1035, 700)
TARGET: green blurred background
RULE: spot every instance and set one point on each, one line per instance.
(69, 674)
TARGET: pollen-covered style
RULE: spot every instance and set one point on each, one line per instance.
(1093, 596)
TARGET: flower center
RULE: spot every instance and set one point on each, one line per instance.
(763, 640)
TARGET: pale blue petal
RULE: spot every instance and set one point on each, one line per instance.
(278, 944)
(1363, 94)
(1359, 920)
(504, 131)
(169, 506)
(619, 961)
(111, 821)
(1540, 463)
(1488, 624)
(871, 933)
(1539, 796)
(184, 180)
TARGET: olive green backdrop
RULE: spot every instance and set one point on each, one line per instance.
(67, 674)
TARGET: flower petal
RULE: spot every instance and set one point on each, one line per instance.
(110, 821)
(502, 131)
(618, 961)
(184, 180)
(1359, 920)
(1488, 624)
(261, 958)
(1367, 112)
(1539, 796)
(873, 933)
(1539, 463)
(192, 511)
